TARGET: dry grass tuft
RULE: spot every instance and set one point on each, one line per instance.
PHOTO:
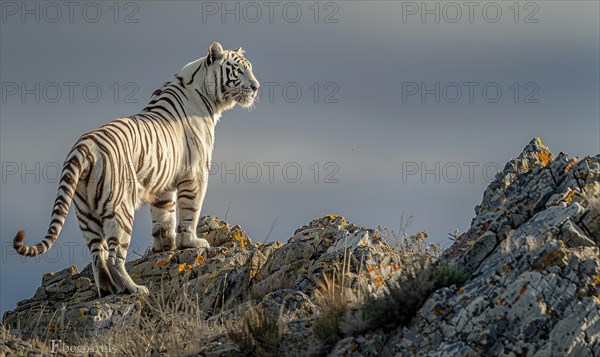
(258, 332)
(10, 343)
(161, 324)
(336, 302)
(277, 281)
(170, 325)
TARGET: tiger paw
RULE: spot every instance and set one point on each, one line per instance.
(140, 289)
(162, 245)
(188, 240)
(163, 238)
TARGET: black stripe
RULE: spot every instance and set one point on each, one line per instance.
(194, 74)
(180, 90)
(206, 103)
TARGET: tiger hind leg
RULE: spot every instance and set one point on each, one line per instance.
(163, 223)
(92, 233)
(102, 276)
(118, 238)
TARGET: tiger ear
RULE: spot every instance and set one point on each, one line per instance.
(240, 51)
(214, 52)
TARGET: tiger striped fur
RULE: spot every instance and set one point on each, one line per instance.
(159, 156)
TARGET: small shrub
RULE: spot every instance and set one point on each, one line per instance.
(327, 327)
(258, 332)
(401, 300)
(447, 275)
(404, 298)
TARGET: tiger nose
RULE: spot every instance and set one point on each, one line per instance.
(255, 86)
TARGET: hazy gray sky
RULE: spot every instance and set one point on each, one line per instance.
(348, 85)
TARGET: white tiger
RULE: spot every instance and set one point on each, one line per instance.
(159, 156)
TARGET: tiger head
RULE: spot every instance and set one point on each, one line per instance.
(232, 73)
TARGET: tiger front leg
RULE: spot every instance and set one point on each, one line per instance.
(190, 194)
(163, 223)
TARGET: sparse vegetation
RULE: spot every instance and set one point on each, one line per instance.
(276, 282)
(334, 300)
(454, 235)
(409, 246)
(401, 300)
(168, 324)
(258, 332)
(404, 297)
(172, 323)
(346, 311)
(165, 324)
(447, 275)
(33, 346)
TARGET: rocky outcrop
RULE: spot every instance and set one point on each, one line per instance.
(533, 259)
(530, 258)
(224, 279)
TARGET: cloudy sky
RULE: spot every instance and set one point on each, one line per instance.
(369, 109)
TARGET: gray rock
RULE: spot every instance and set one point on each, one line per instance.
(532, 251)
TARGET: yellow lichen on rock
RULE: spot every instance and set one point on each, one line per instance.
(184, 267)
(333, 217)
(545, 157)
(551, 258)
(239, 236)
(395, 267)
(570, 165)
(82, 313)
(162, 262)
(569, 196)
